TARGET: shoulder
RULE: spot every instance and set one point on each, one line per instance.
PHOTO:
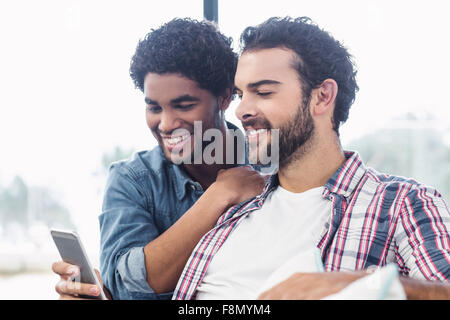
(408, 189)
(141, 164)
(145, 171)
(139, 178)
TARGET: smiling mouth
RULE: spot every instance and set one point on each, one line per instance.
(257, 134)
(175, 142)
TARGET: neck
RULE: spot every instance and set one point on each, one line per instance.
(206, 174)
(313, 168)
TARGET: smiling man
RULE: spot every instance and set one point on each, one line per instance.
(294, 77)
(158, 204)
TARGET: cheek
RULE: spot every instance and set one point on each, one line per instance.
(152, 121)
(205, 114)
(270, 115)
(277, 112)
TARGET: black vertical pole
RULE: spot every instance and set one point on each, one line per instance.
(210, 10)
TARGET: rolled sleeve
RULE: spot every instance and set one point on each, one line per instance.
(127, 224)
(131, 268)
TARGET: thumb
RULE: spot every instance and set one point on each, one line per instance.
(99, 277)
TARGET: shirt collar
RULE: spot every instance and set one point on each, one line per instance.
(343, 182)
(347, 177)
(181, 181)
(177, 175)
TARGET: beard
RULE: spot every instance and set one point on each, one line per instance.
(295, 136)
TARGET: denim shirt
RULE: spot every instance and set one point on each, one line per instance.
(144, 196)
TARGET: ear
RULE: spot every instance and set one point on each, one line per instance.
(225, 100)
(325, 97)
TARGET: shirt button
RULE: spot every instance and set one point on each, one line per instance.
(192, 187)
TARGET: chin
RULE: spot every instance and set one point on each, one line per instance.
(178, 159)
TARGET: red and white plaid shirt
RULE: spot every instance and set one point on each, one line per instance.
(376, 219)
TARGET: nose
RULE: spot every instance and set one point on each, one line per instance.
(246, 109)
(168, 121)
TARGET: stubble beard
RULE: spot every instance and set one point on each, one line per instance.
(295, 136)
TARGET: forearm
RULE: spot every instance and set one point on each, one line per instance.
(166, 256)
(425, 290)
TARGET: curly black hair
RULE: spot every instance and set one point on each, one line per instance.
(191, 48)
(320, 57)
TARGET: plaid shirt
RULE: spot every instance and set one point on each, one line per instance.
(376, 219)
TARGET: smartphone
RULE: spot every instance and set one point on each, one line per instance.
(72, 251)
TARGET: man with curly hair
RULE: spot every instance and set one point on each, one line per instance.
(324, 209)
(158, 204)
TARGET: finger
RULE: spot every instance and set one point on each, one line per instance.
(249, 169)
(65, 269)
(264, 296)
(65, 277)
(72, 287)
(69, 297)
(99, 277)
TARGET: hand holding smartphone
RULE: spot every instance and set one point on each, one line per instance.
(72, 251)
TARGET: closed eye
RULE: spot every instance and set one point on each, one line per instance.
(153, 108)
(264, 94)
(184, 107)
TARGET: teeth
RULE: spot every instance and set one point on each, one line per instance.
(255, 132)
(176, 140)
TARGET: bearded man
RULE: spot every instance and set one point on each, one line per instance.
(295, 78)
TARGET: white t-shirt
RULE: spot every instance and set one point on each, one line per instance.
(286, 225)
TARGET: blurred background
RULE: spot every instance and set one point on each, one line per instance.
(68, 107)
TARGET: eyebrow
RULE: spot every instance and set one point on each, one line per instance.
(180, 99)
(184, 98)
(259, 83)
(150, 101)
